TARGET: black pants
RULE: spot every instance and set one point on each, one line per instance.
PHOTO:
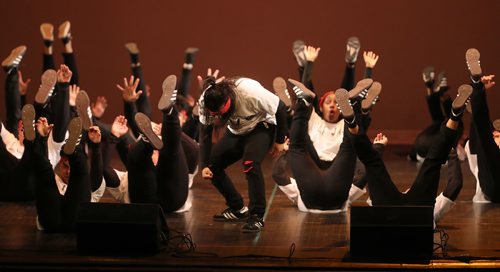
(439, 112)
(488, 153)
(109, 145)
(427, 136)
(12, 101)
(57, 213)
(143, 103)
(251, 148)
(52, 109)
(17, 178)
(382, 189)
(70, 61)
(190, 147)
(319, 189)
(167, 183)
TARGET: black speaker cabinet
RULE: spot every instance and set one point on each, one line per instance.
(120, 229)
(397, 233)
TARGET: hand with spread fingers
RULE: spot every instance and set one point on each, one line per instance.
(129, 88)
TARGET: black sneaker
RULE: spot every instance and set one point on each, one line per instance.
(144, 124)
(47, 31)
(372, 97)
(28, 117)
(301, 92)
(254, 224)
(361, 89)
(279, 86)
(190, 54)
(229, 215)
(461, 101)
(344, 105)
(14, 58)
(472, 58)
(428, 76)
(75, 135)
(83, 108)
(169, 95)
(132, 48)
(64, 32)
(352, 49)
(49, 80)
(442, 82)
(298, 51)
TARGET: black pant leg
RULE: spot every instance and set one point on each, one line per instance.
(225, 152)
(173, 179)
(70, 61)
(12, 102)
(142, 184)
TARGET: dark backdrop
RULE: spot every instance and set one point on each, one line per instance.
(253, 38)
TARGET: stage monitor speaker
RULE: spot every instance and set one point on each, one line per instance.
(120, 229)
(397, 233)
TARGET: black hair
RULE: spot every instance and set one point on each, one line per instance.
(216, 94)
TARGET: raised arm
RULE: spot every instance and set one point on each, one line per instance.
(370, 62)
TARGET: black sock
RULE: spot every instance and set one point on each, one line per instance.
(190, 58)
(134, 58)
(48, 43)
(351, 121)
(456, 115)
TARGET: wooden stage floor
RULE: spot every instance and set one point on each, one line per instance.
(291, 241)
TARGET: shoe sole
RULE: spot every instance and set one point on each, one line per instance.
(428, 73)
(360, 88)
(28, 117)
(496, 124)
(342, 97)
(372, 96)
(74, 131)
(279, 86)
(298, 51)
(49, 80)
(15, 56)
(464, 92)
(168, 97)
(440, 78)
(352, 43)
(306, 92)
(472, 58)
(47, 31)
(298, 46)
(64, 29)
(144, 124)
(83, 108)
(191, 50)
(132, 48)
